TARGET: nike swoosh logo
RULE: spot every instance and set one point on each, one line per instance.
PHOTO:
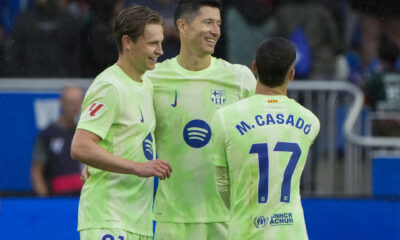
(176, 100)
(142, 119)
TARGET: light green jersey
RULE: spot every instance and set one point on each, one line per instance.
(185, 102)
(264, 141)
(120, 111)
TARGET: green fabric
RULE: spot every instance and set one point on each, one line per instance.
(190, 195)
(222, 180)
(264, 123)
(192, 231)
(112, 233)
(111, 200)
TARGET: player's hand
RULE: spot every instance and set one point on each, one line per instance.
(157, 167)
(85, 174)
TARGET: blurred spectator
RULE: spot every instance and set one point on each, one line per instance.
(313, 30)
(43, 43)
(97, 37)
(249, 23)
(339, 10)
(356, 71)
(166, 9)
(382, 90)
(377, 18)
(77, 8)
(9, 9)
(382, 87)
(53, 171)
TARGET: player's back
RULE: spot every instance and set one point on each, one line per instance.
(267, 139)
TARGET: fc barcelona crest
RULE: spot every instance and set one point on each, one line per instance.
(218, 97)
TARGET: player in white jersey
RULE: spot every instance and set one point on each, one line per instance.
(188, 89)
(115, 136)
(260, 149)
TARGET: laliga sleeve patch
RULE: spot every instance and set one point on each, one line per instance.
(95, 110)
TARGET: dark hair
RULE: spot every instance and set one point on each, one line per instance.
(273, 59)
(132, 21)
(188, 9)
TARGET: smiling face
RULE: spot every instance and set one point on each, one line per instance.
(144, 52)
(200, 34)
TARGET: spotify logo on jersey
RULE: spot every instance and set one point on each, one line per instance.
(197, 133)
(148, 147)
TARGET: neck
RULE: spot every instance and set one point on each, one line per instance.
(125, 65)
(193, 62)
(67, 122)
(265, 90)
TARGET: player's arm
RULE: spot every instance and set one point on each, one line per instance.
(38, 180)
(223, 186)
(85, 174)
(38, 167)
(248, 81)
(219, 159)
(85, 148)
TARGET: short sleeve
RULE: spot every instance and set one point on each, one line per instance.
(315, 127)
(218, 142)
(249, 82)
(100, 110)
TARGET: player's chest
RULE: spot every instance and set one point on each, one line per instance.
(137, 109)
(195, 95)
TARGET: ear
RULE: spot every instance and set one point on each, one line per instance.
(126, 42)
(181, 24)
(292, 72)
(254, 67)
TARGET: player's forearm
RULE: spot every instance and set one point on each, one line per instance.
(38, 181)
(101, 159)
(223, 186)
(86, 150)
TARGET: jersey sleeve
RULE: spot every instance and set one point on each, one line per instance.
(218, 142)
(100, 109)
(314, 129)
(248, 81)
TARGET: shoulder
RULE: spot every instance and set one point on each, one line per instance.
(305, 112)
(108, 73)
(167, 62)
(223, 64)
(240, 72)
(165, 65)
(106, 79)
(103, 90)
(161, 69)
(233, 107)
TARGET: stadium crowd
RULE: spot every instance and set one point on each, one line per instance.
(73, 38)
